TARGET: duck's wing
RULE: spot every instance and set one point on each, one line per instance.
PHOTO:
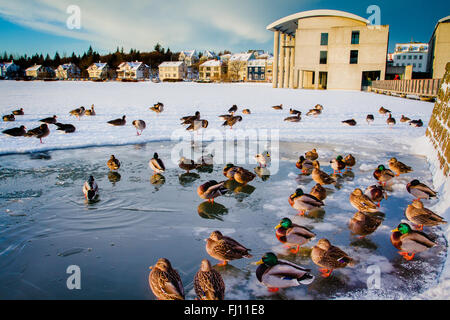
(234, 248)
(311, 200)
(416, 241)
(297, 233)
(424, 188)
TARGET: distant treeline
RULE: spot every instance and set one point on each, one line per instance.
(152, 59)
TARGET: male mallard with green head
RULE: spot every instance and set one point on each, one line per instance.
(156, 164)
(420, 190)
(293, 235)
(337, 164)
(276, 273)
(410, 242)
(304, 202)
(383, 175)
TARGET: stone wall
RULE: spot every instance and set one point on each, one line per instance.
(439, 127)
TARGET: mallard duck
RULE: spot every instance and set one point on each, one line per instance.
(243, 176)
(190, 119)
(420, 190)
(399, 167)
(382, 110)
(376, 193)
(318, 107)
(79, 112)
(225, 249)
(293, 111)
(349, 161)
(293, 235)
(337, 164)
(232, 121)
(296, 118)
(319, 192)
(383, 175)
(196, 125)
(211, 189)
(90, 189)
(361, 202)
(208, 283)
(187, 164)
(229, 170)
(156, 164)
(363, 224)
(206, 160)
(49, 120)
(370, 118)
(139, 125)
(18, 112)
(263, 159)
(279, 107)
(165, 282)
(416, 123)
(390, 121)
(329, 257)
(421, 216)
(304, 164)
(158, 107)
(350, 122)
(113, 163)
(276, 273)
(312, 155)
(404, 119)
(225, 117)
(314, 112)
(90, 112)
(319, 176)
(410, 242)
(16, 132)
(40, 132)
(304, 202)
(67, 128)
(118, 122)
(9, 118)
(246, 111)
(233, 109)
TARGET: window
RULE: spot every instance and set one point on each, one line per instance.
(324, 39)
(355, 37)
(409, 57)
(415, 57)
(353, 56)
(323, 57)
(420, 65)
(414, 65)
(420, 57)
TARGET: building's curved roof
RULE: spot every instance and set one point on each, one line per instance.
(289, 24)
(444, 19)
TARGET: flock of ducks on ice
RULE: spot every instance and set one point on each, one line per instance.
(273, 272)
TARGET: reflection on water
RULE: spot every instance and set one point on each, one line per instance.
(46, 224)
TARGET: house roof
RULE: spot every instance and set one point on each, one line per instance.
(171, 64)
(257, 63)
(66, 66)
(212, 63)
(241, 56)
(443, 20)
(99, 65)
(189, 53)
(134, 65)
(289, 24)
(34, 68)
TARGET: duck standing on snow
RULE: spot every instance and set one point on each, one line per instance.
(156, 164)
(314, 112)
(279, 107)
(293, 111)
(233, 109)
(67, 128)
(382, 110)
(16, 132)
(312, 155)
(416, 123)
(157, 107)
(190, 119)
(9, 118)
(79, 112)
(197, 124)
(410, 242)
(225, 249)
(337, 164)
(211, 190)
(90, 112)
(370, 118)
(246, 111)
(376, 194)
(320, 176)
(165, 282)
(90, 189)
(113, 163)
(293, 235)
(390, 121)
(49, 120)
(139, 125)
(329, 257)
(276, 273)
(187, 164)
(399, 167)
(361, 202)
(420, 190)
(118, 122)
(304, 164)
(404, 119)
(18, 112)
(350, 122)
(421, 216)
(243, 176)
(296, 118)
(363, 224)
(304, 202)
(383, 175)
(263, 159)
(232, 121)
(40, 132)
(208, 283)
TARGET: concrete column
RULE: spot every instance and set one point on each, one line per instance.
(316, 79)
(291, 71)
(287, 63)
(276, 57)
(282, 58)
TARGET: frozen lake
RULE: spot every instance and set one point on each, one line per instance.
(46, 225)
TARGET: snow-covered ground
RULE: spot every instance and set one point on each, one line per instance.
(113, 100)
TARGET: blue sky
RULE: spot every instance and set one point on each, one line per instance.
(30, 26)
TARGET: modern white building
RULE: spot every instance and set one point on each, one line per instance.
(414, 53)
